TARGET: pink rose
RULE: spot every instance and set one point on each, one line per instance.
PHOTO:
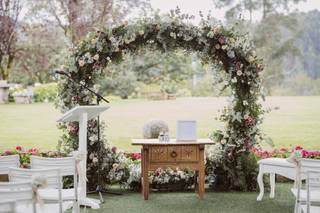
(114, 149)
(222, 40)
(33, 151)
(297, 148)
(8, 152)
(249, 120)
(18, 148)
(136, 156)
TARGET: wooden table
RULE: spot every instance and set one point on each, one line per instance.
(173, 154)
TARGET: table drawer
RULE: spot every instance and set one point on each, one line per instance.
(189, 153)
(159, 153)
(182, 153)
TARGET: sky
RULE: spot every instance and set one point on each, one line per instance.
(193, 7)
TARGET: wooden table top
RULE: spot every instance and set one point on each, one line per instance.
(200, 141)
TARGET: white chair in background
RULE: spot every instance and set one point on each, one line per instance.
(52, 179)
(308, 194)
(67, 166)
(7, 206)
(17, 197)
(313, 189)
(8, 161)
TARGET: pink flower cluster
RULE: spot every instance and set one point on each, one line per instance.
(134, 155)
(19, 150)
(284, 153)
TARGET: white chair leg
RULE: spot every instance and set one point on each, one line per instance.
(272, 184)
(261, 186)
(75, 207)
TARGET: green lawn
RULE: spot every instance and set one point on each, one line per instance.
(296, 122)
(187, 202)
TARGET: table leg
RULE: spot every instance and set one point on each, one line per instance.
(201, 177)
(260, 183)
(196, 186)
(145, 173)
(142, 172)
(272, 184)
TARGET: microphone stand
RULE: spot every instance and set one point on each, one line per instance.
(99, 188)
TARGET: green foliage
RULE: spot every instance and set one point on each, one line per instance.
(45, 92)
(122, 83)
(232, 53)
(147, 67)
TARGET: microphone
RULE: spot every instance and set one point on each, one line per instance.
(61, 72)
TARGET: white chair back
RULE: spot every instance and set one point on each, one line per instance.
(52, 176)
(313, 187)
(67, 165)
(309, 165)
(12, 193)
(8, 161)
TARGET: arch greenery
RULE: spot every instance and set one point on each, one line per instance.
(231, 52)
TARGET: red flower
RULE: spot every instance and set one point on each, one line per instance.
(297, 148)
(249, 121)
(238, 65)
(18, 148)
(33, 151)
(265, 154)
(304, 153)
(8, 152)
(114, 149)
(136, 156)
(222, 40)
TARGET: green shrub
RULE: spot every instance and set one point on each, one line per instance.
(45, 92)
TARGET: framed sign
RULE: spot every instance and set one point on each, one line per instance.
(186, 130)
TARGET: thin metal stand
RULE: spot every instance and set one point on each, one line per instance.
(99, 188)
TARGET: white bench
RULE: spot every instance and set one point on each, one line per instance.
(274, 166)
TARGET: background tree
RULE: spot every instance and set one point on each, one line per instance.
(149, 67)
(40, 55)
(78, 17)
(9, 13)
(235, 8)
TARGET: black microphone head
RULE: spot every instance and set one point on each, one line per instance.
(61, 72)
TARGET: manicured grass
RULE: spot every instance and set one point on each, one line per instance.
(296, 122)
(188, 202)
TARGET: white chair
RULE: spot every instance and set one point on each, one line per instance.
(308, 193)
(53, 181)
(13, 194)
(67, 166)
(8, 161)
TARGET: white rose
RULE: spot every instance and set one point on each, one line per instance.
(223, 141)
(141, 32)
(239, 72)
(81, 62)
(95, 160)
(234, 80)
(96, 57)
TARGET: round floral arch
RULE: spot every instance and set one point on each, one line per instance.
(232, 53)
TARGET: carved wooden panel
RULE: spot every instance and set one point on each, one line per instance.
(189, 153)
(174, 153)
(159, 153)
